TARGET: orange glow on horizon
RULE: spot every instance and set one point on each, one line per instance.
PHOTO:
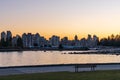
(70, 36)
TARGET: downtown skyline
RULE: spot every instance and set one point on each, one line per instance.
(29, 40)
(61, 17)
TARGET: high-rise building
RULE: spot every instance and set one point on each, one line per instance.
(9, 35)
(54, 41)
(36, 40)
(24, 39)
(89, 38)
(14, 41)
(95, 40)
(92, 41)
(29, 40)
(89, 41)
(43, 41)
(76, 42)
(3, 36)
(64, 41)
(83, 42)
(33, 40)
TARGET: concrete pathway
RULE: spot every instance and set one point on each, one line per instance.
(28, 70)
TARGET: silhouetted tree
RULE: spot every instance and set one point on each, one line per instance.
(111, 41)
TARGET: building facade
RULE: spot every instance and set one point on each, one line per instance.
(54, 41)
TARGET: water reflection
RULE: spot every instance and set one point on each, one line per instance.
(52, 57)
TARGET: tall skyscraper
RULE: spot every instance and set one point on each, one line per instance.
(89, 41)
(24, 39)
(36, 39)
(9, 35)
(29, 40)
(3, 36)
(95, 40)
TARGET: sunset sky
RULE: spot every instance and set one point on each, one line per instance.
(61, 17)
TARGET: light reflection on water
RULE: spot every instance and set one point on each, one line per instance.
(52, 57)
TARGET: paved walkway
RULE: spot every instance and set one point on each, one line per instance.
(28, 70)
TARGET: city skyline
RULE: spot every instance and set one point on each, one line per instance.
(29, 40)
(61, 17)
(4, 33)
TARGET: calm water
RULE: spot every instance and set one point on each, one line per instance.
(52, 57)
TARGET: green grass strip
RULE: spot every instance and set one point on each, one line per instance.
(96, 75)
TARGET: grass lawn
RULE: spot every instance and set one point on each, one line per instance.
(96, 75)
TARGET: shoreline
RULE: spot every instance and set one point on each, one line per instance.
(112, 51)
(7, 50)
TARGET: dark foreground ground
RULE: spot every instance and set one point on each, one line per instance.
(95, 75)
